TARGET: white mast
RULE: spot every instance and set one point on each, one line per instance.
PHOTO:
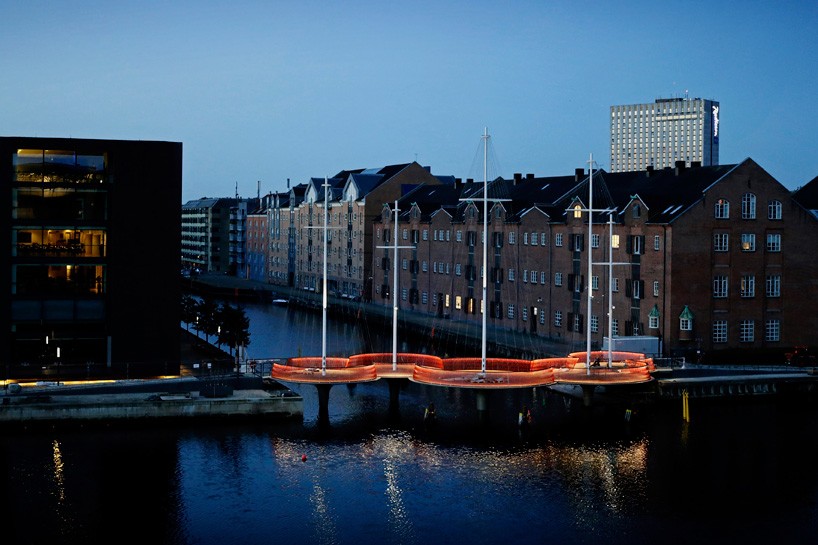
(395, 295)
(610, 289)
(324, 288)
(485, 246)
(590, 263)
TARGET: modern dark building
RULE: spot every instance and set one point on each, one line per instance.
(91, 287)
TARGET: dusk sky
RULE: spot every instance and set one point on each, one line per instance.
(266, 91)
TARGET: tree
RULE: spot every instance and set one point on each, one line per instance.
(206, 311)
(235, 326)
(188, 310)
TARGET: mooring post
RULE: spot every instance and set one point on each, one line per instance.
(323, 403)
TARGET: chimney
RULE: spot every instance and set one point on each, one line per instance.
(680, 167)
(458, 182)
(469, 180)
(695, 164)
(529, 176)
(648, 171)
(579, 174)
(517, 177)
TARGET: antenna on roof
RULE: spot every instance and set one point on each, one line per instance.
(258, 191)
(288, 183)
(237, 190)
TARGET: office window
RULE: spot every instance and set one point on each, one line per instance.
(748, 206)
(458, 302)
(773, 282)
(772, 331)
(720, 286)
(719, 331)
(721, 242)
(748, 285)
(614, 241)
(748, 242)
(773, 242)
(722, 209)
(746, 331)
(774, 210)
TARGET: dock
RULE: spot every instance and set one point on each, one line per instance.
(179, 400)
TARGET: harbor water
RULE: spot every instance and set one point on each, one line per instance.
(740, 471)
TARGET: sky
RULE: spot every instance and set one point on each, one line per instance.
(262, 92)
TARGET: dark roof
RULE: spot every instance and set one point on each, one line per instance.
(807, 196)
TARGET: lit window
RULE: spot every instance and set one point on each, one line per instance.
(748, 285)
(614, 241)
(577, 211)
(748, 242)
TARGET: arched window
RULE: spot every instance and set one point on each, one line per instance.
(722, 211)
(748, 206)
(774, 210)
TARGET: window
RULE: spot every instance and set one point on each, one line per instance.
(615, 284)
(657, 243)
(746, 331)
(774, 210)
(558, 239)
(773, 285)
(748, 285)
(533, 277)
(719, 331)
(425, 266)
(403, 293)
(614, 241)
(656, 288)
(534, 239)
(458, 302)
(525, 275)
(773, 242)
(543, 239)
(405, 234)
(594, 240)
(558, 279)
(722, 209)
(653, 322)
(512, 237)
(542, 277)
(542, 316)
(748, 206)
(594, 324)
(577, 211)
(748, 242)
(636, 289)
(457, 269)
(772, 331)
(720, 286)
(424, 297)
(511, 275)
(524, 314)
(614, 327)
(721, 242)
(577, 322)
(525, 239)
(685, 323)
(636, 245)
(425, 234)
(404, 264)
(458, 235)
(558, 318)
(595, 282)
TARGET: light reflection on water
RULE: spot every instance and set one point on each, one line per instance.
(736, 473)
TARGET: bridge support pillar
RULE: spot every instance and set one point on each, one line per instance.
(482, 402)
(323, 403)
(587, 394)
(394, 396)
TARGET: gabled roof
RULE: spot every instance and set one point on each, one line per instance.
(807, 196)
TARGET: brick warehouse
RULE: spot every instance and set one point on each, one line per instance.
(713, 259)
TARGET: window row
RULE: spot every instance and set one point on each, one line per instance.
(747, 286)
(746, 331)
(721, 242)
(748, 208)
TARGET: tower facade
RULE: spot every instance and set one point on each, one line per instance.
(661, 133)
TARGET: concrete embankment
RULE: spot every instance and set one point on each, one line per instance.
(185, 400)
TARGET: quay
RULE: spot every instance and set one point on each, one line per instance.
(182, 399)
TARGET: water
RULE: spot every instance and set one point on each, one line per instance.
(738, 472)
